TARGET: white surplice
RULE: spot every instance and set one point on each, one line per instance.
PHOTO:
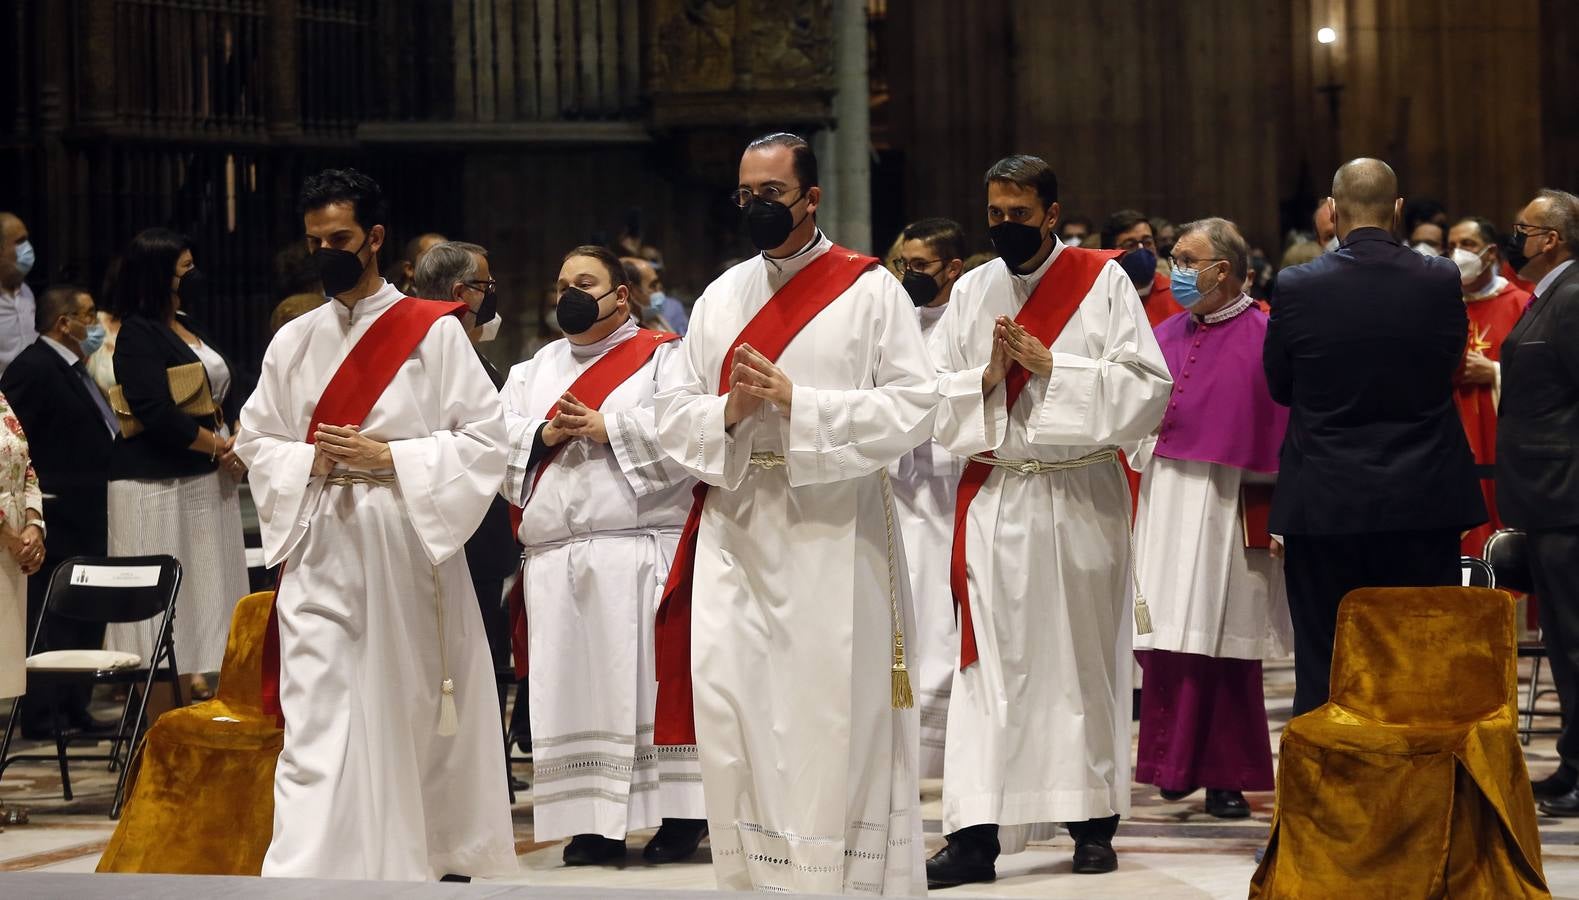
(810, 774)
(600, 530)
(1207, 593)
(925, 482)
(1039, 728)
(365, 787)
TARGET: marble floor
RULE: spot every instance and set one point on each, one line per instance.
(1166, 850)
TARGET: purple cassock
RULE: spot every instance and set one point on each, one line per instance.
(1221, 410)
(1203, 719)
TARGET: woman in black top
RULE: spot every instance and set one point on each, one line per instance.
(173, 486)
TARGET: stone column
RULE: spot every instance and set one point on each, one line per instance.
(848, 168)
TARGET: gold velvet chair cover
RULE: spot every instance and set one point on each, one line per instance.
(201, 791)
(1410, 781)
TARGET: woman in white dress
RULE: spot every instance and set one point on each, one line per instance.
(173, 486)
(22, 535)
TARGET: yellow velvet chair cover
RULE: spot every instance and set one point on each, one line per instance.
(200, 797)
(1410, 781)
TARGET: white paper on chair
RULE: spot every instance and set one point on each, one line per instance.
(115, 576)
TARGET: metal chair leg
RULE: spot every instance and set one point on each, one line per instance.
(57, 723)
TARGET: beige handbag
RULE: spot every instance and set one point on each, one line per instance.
(188, 388)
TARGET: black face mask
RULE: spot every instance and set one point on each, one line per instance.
(1016, 243)
(769, 223)
(921, 287)
(340, 270)
(193, 290)
(578, 310)
(1513, 250)
(487, 309)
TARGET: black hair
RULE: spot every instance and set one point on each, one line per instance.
(1026, 171)
(1488, 231)
(59, 300)
(943, 236)
(605, 256)
(344, 186)
(295, 272)
(1120, 222)
(805, 160)
(1077, 220)
(1422, 209)
(142, 285)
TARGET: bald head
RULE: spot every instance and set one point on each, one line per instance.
(12, 235)
(1365, 192)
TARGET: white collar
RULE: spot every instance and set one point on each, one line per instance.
(21, 290)
(1492, 288)
(1031, 279)
(371, 305)
(929, 314)
(614, 338)
(800, 259)
(66, 353)
(1551, 277)
(1228, 312)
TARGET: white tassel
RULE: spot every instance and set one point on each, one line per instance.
(449, 722)
(1142, 614)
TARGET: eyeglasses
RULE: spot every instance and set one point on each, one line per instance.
(485, 287)
(915, 265)
(744, 196)
(1188, 262)
(1136, 243)
(1524, 229)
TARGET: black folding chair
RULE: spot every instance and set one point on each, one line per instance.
(102, 590)
(1507, 554)
(1477, 573)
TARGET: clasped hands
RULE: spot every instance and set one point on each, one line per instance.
(347, 446)
(26, 546)
(1011, 343)
(752, 379)
(575, 419)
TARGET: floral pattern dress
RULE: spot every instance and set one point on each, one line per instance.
(19, 492)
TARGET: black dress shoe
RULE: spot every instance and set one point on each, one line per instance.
(677, 839)
(1095, 857)
(457, 879)
(1556, 784)
(1226, 804)
(955, 865)
(1565, 806)
(1174, 796)
(519, 784)
(593, 850)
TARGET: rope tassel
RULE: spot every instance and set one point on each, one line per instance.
(449, 722)
(1142, 614)
(901, 697)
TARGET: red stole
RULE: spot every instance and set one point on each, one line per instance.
(1049, 308)
(348, 398)
(1490, 321)
(790, 309)
(592, 387)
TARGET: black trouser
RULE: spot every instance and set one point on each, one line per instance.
(1320, 569)
(1554, 563)
(981, 841)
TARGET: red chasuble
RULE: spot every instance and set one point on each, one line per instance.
(350, 395)
(790, 309)
(1490, 320)
(591, 387)
(1160, 305)
(1045, 313)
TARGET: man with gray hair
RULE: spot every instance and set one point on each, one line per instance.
(1538, 453)
(1217, 605)
(458, 271)
(1375, 480)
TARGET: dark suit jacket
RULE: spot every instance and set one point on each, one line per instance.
(1362, 347)
(69, 445)
(1538, 420)
(144, 350)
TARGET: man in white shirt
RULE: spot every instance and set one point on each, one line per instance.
(16, 298)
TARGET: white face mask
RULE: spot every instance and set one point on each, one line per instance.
(1331, 244)
(1470, 265)
(1424, 249)
(490, 329)
(1073, 241)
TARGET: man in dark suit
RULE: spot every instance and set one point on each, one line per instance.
(70, 428)
(1538, 453)
(1377, 481)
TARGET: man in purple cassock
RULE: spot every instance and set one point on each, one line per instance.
(1205, 564)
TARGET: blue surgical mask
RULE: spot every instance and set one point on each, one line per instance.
(94, 339)
(1183, 282)
(657, 300)
(24, 257)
